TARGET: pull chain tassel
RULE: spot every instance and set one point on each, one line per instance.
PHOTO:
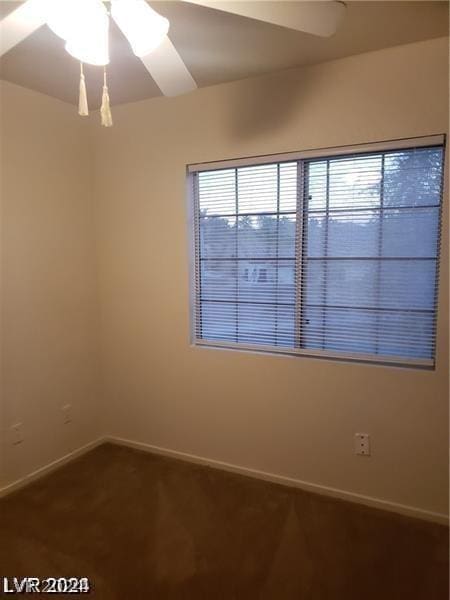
(105, 110)
(83, 108)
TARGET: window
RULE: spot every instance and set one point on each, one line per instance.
(333, 256)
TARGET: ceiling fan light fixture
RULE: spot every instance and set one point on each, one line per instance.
(84, 25)
(62, 17)
(144, 28)
(91, 45)
(68, 18)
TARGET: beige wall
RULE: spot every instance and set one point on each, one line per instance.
(48, 286)
(289, 416)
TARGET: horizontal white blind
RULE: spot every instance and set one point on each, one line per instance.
(331, 256)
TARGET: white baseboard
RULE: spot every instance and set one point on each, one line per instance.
(56, 464)
(402, 509)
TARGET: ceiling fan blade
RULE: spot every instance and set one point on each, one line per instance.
(168, 70)
(316, 17)
(20, 23)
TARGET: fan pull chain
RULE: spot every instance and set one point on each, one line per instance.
(83, 108)
(105, 110)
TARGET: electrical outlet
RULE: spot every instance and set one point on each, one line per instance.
(67, 413)
(362, 444)
(16, 434)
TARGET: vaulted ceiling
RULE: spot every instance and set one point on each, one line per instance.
(219, 47)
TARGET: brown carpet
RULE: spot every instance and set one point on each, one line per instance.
(145, 527)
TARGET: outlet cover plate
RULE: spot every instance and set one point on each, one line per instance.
(362, 444)
(16, 433)
(67, 413)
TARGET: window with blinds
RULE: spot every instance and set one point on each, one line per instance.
(333, 256)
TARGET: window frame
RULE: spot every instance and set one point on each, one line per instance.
(302, 157)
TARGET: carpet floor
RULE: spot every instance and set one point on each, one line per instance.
(141, 526)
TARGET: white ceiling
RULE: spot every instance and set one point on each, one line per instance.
(219, 47)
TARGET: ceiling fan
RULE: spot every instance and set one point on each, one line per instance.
(84, 24)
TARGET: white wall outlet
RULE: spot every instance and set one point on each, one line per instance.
(67, 413)
(362, 444)
(16, 433)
